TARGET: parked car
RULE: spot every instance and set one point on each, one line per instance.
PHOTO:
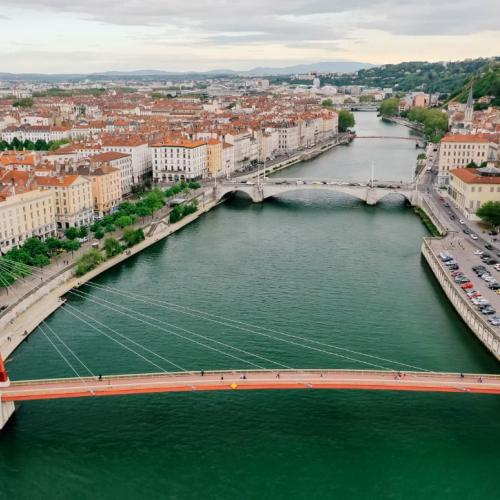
(3, 307)
(473, 236)
(461, 221)
(488, 246)
(478, 252)
(467, 285)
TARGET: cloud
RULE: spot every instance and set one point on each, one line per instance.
(270, 20)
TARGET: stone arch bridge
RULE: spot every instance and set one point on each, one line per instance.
(369, 192)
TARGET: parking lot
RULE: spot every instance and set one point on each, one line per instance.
(462, 252)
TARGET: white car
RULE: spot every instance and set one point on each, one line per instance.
(497, 267)
(461, 221)
(473, 236)
(478, 252)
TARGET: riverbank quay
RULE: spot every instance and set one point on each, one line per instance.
(24, 318)
(477, 323)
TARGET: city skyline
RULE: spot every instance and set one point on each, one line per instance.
(64, 36)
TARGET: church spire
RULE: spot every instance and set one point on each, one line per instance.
(469, 108)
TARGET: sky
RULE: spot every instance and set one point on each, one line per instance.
(83, 36)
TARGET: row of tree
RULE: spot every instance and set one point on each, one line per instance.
(27, 145)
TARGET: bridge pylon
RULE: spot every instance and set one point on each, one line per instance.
(6, 407)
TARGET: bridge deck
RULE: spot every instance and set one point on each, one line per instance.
(254, 380)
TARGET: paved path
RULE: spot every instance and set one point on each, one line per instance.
(251, 380)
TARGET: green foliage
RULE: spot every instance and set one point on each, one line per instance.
(422, 156)
(11, 270)
(83, 232)
(71, 233)
(109, 228)
(33, 252)
(180, 211)
(125, 220)
(54, 244)
(112, 247)
(39, 145)
(435, 77)
(26, 102)
(366, 98)
(390, 107)
(435, 122)
(95, 226)
(194, 185)
(346, 120)
(133, 236)
(489, 212)
(99, 234)
(327, 103)
(71, 245)
(487, 84)
(88, 261)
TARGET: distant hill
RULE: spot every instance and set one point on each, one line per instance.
(440, 77)
(323, 67)
(485, 83)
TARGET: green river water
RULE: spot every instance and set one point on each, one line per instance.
(318, 265)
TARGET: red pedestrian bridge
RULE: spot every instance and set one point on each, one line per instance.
(114, 385)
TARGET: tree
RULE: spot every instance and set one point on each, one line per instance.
(83, 232)
(346, 120)
(41, 145)
(390, 107)
(133, 236)
(53, 244)
(40, 260)
(99, 234)
(35, 247)
(327, 103)
(88, 261)
(489, 212)
(71, 245)
(112, 247)
(25, 102)
(125, 220)
(71, 233)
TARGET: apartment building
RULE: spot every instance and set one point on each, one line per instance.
(106, 187)
(26, 215)
(179, 159)
(138, 149)
(472, 187)
(121, 161)
(214, 157)
(458, 151)
(73, 199)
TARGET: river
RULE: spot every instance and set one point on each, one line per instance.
(321, 266)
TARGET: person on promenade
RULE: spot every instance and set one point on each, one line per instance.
(202, 373)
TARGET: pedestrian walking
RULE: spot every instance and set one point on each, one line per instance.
(202, 373)
(100, 378)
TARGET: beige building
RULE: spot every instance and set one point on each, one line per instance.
(457, 151)
(73, 201)
(214, 158)
(26, 215)
(472, 187)
(106, 187)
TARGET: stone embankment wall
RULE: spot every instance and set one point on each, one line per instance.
(486, 333)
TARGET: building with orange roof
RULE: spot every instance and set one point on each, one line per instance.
(177, 159)
(214, 158)
(121, 161)
(135, 146)
(460, 150)
(472, 187)
(106, 187)
(73, 199)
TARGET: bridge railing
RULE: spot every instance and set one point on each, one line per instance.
(318, 371)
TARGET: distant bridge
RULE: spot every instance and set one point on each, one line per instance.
(369, 192)
(414, 139)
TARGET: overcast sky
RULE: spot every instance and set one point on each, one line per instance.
(96, 35)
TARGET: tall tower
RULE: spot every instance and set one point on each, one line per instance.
(469, 110)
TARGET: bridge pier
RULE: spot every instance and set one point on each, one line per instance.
(6, 411)
(371, 196)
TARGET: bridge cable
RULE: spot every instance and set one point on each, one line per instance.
(67, 361)
(207, 316)
(115, 306)
(123, 345)
(100, 302)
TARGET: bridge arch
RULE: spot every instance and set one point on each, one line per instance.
(274, 190)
